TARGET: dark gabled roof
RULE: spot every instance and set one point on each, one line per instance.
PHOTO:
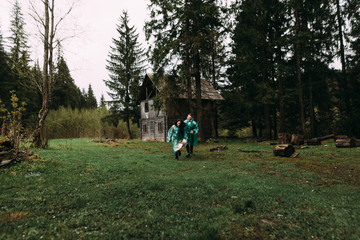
(148, 90)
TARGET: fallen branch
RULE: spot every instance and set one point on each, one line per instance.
(249, 151)
(326, 137)
(218, 148)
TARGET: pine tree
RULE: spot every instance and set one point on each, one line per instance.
(257, 60)
(19, 53)
(125, 65)
(185, 32)
(102, 101)
(20, 65)
(353, 11)
(7, 82)
(65, 92)
(91, 100)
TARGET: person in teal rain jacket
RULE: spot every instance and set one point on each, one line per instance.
(177, 137)
(191, 130)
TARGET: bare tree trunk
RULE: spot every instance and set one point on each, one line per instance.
(281, 102)
(341, 37)
(50, 28)
(187, 63)
(253, 127)
(313, 131)
(267, 121)
(45, 78)
(198, 95)
(275, 125)
(3, 128)
(298, 70)
(128, 132)
(345, 81)
(216, 123)
(260, 126)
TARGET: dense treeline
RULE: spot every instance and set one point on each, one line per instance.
(272, 60)
(280, 74)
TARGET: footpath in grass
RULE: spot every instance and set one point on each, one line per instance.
(136, 190)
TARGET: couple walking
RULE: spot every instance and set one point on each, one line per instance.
(183, 132)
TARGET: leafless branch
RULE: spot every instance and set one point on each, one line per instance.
(36, 17)
(63, 17)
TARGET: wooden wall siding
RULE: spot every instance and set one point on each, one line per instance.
(153, 131)
(151, 113)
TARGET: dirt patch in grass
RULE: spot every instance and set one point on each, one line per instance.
(13, 217)
(328, 172)
(331, 172)
(115, 142)
(238, 231)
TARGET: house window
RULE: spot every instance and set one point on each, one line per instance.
(146, 107)
(160, 127)
(144, 128)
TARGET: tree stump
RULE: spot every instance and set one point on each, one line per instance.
(313, 141)
(284, 150)
(284, 138)
(345, 143)
(297, 139)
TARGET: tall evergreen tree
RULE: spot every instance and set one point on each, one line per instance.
(184, 32)
(125, 65)
(353, 11)
(65, 92)
(256, 58)
(7, 82)
(91, 100)
(20, 64)
(19, 53)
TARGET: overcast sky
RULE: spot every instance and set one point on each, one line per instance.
(93, 23)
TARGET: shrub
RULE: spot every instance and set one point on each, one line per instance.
(87, 123)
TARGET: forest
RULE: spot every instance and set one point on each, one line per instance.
(281, 65)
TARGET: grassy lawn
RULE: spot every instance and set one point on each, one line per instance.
(136, 190)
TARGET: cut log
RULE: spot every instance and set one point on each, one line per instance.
(313, 141)
(297, 139)
(340, 137)
(345, 143)
(284, 138)
(5, 162)
(3, 153)
(284, 150)
(326, 137)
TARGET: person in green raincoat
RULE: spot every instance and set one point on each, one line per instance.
(191, 131)
(177, 137)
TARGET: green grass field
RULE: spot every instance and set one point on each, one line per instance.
(136, 190)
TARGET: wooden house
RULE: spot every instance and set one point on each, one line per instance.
(154, 123)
